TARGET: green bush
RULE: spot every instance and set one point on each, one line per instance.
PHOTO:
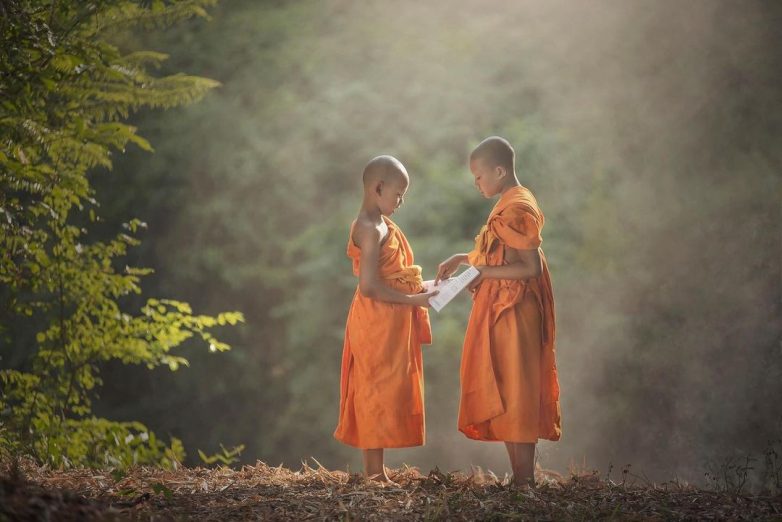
(65, 92)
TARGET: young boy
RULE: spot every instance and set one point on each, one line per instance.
(509, 386)
(382, 385)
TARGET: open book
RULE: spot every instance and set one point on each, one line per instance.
(448, 288)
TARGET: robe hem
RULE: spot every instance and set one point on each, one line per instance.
(486, 439)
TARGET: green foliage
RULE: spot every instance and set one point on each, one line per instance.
(65, 93)
(225, 456)
(157, 487)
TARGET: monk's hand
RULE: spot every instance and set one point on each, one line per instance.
(448, 267)
(422, 299)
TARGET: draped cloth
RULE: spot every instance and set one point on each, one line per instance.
(382, 382)
(509, 384)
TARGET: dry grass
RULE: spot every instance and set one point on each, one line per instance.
(262, 492)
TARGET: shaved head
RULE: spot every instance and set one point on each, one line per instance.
(384, 168)
(495, 151)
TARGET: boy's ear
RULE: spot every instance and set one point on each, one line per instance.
(501, 171)
(379, 188)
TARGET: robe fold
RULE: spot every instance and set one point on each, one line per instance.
(509, 384)
(382, 383)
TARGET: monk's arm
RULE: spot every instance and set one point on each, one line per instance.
(370, 285)
(525, 264)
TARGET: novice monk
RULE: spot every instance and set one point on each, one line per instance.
(382, 386)
(509, 387)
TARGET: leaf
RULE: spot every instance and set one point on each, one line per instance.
(141, 142)
(158, 487)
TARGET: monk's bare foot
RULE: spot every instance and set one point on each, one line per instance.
(522, 484)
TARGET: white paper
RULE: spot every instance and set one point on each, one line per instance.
(450, 287)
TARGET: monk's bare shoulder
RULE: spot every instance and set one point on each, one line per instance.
(365, 232)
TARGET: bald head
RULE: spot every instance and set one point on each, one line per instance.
(386, 169)
(495, 151)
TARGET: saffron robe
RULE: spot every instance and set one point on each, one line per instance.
(382, 383)
(509, 384)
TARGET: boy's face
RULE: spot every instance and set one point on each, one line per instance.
(488, 179)
(391, 194)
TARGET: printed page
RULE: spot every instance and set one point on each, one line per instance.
(450, 287)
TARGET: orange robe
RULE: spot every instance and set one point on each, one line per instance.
(382, 385)
(509, 385)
